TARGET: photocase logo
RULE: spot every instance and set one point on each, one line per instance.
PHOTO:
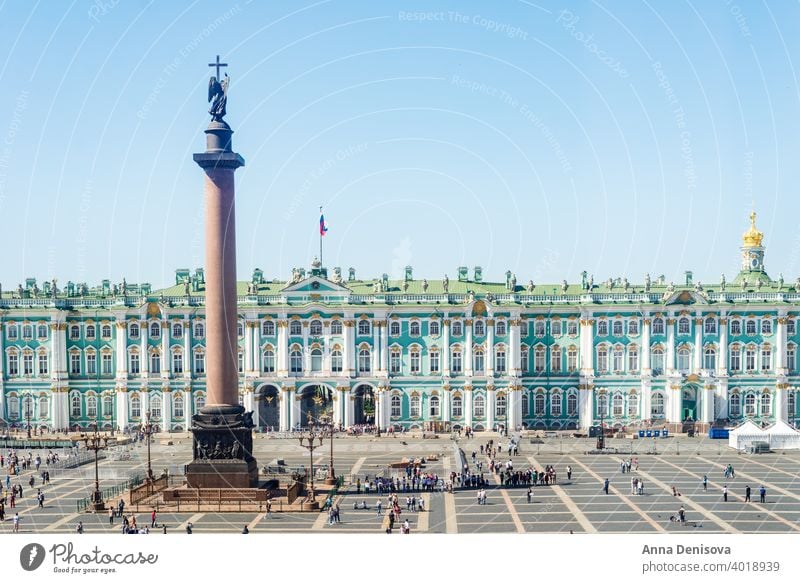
(32, 556)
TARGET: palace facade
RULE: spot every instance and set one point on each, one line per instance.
(411, 353)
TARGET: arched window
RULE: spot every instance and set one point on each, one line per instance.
(415, 359)
(658, 325)
(619, 359)
(433, 406)
(433, 328)
(395, 360)
(633, 405)
(89, 331)
(538, 359)
(456, 364)
(736, 327)
(316, 360)
(791, 358)
(602, 405)
(657, 405)
(479, 407)
(155, 362)
(457, 407)
(336, 327)
(526, 405)
(268, 360)
(457, 329)
(555, 404)
(633, 358)
(364, 358)
(199, 362)
(684, 359)
(199, 402)
(155, 330)
(91, 407)
(240, 329)
(500, 359)
(155, 407)
(295, 328)
(413, 328)
(315, 328)
(133, 331)
(766, 358)
(539, 328)
(524, 359)
(414, 406)
(13, 407)
(572, 359)
(296, 360)
(617, 405)
(602, 359)
(750, 358)
(136, 406)
(177, 406)
(478, 361)
(41, 332)
(555, 328)
(734, 405)
(792, 402)
(479, 329)
(394, 328)
(602, 327)
(108, 405)
(336, 360)
(199, 330)
(268, 328)
(500, 328)
(710, 325)
(710, 358)
(633, 327)
(657, 360)
(750, 327)
(750, 404)
(105, 331)
(766, 404)
(177, 330)
(500, 405)
(177, 362)
(395, 406)
(572, 404)
(434, 359)
(617, 328)
(684, 326)
(44, 407)
(736, 358)
(364, 328)
(539, 404)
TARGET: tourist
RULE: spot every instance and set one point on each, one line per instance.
(378, 507)
(189, 527)
(747, 494)
(605, 486)
(245, 530)
(16, 522)
(682, 515)
(40, 498)
(725, 493)
(406, 527)
(111, 515)
(153, 519)
(569, 472)
(79, 528)
(762, 492)
(705, 483)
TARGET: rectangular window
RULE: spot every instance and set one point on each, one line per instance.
(555, 361)
(91, 407)
(435, 362)
(107, 363)
(75, 363)
(750, 359)
(791, 327)
(12, 332)
(523, 361)
(27, 364)
(91, 363)
(538, 360)
(177, 363)
(572, 360)
(200, 363)
(241, 362)
(736, 360)
(27, 332)
(766, 359)
(710, 360)
(500, 361)
(133, 364)
(268, 361)
(791, 359)
(43, 364)
(455, 363)
(415, 361)
(602, 361)
(336, 361)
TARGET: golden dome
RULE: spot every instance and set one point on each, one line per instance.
(752, 237)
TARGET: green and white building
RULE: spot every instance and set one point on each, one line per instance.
(431, 354)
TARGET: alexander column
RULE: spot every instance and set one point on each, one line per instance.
(223, 431)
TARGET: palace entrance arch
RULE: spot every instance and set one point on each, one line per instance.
(363, 405)
(268, 403)
(316, 403)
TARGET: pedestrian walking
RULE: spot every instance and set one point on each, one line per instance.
(79, 528)
(725, 493)
(605, 486)
(762, 493)
(16, 522)
(530, 495)
(189, 527)
(40, 498)
(245, 530)
(747, 494)
(705, 483)
(111, 515)
(153, 519)
(378, 507)
(569, 472)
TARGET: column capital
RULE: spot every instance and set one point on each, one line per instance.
(490, 322)
(251, 323)
(121, 325)
(723, 321)
(515, 322)
(446, 388)
(646, 321)
(283, 323)
(587, 321)
(122, 389)
(166, 389)
(349, 323)
(446, 321)
(468, 388)
(783, 320)
(468, 322)
(670, 321)
(698, 320)
(490, 388)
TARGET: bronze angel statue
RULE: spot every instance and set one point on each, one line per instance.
(218, 96)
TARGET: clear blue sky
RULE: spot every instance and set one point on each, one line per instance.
(545, 138)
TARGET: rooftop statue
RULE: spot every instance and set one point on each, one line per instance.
(647, 282)
(531, 286)
(797, 285)
(722, 283)
(218, 97)
(446, 283)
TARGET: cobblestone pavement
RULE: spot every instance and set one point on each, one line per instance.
(578, 505)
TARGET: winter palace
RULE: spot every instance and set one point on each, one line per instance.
(412, 353)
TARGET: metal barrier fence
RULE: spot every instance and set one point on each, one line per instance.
(36, 443)
(73, 461)
(111, 492)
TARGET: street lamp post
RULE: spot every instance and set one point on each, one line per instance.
(148, 431)
(28, 414)
(96, 443)
(331, 477)
(308, 441)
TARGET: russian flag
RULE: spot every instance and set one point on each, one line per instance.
(322, 227)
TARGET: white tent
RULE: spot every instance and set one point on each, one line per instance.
(745, 434)
(781, 435)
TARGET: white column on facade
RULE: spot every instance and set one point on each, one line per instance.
(248, 347)
(166, 356)
(669, 365)
(467, 406)
(286, 397)
(780, 344)
(122, 414)
(515, 348)
(489, 354)
(707, 404)
(249, 400)
(349, 407)
(445, 404)
(645, 402)
(257, 349)
(188, 358)
(586, 406)
(349, 348)
(145, 402)
(445, 353)
(491, 400)
(187, 408)
(722, 356)
(306, 350)
(294, 409)
(646, 361)
(3, 357)
(782, 402)
(326, 348)
(468, 348)
(385, 349)
(514, 404)
(377, 332)
(587, 345)
(283, 349)
(673, 404)
(144, 359)
(721, 394)
(166, 409)
(121, 349)
(698, 344)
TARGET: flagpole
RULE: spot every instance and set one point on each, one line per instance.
(320, 239)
